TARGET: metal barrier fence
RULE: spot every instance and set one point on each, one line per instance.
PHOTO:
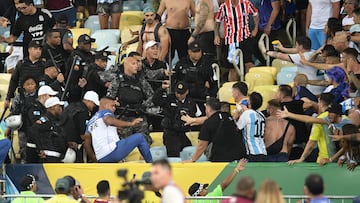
(288, 198)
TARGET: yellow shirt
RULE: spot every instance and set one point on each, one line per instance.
(60, 198)
(318, 135)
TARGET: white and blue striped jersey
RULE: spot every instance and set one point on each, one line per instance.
(252, 124)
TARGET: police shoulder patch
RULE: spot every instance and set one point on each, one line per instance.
(43, 119)
(36, 113)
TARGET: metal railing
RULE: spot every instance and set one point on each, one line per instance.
(288, 198)
(239, 68)
(291, 35)
(265, 37)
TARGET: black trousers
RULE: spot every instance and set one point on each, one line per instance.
(32, 156)
(175, 142)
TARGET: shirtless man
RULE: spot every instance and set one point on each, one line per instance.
(204, 27)
(153, 30)
(178, 23)
(279, 134)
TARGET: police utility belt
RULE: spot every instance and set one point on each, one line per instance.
(47, 152)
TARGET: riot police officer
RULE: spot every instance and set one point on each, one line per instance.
(198, 73)
(74, 120)
(134, 92)
(75, 75)
(47, 134)
(33, 113)
(96, 77)
(175, 106)
(52, 77)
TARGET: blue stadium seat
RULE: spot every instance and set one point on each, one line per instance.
(107, 37)
(285, 77)
(158, 153)
(188, 152)
(92, 23)
(174, 159)
(111, 62)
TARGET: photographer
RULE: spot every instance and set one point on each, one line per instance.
(174, 106)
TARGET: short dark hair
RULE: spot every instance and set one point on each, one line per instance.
(103, 187)
(256, 100)
(304, 41)
(71, 180)
(352, 52)
(350, 129)
(326, 98)
(27, 2)
(213, 103)
(242, 87)
(134, 53)
(162, 162)
(286, 90)
(315, 184)
(329, 49)
(25, 78)
(275, 103)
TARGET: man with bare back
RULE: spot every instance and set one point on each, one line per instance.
(204, 27)
(178, 23)
(279, 134)
(153, 30)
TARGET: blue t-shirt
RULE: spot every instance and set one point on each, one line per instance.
(320, 200)
(265, 10)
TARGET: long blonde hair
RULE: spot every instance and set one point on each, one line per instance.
(269, 192)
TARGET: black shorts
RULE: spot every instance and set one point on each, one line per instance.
(206, 41)
(85, 2)
(106, 8)
(179, 40)
(247, 48)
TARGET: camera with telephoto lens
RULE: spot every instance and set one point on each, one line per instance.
(131, 192)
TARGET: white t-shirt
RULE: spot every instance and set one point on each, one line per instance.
(310, 72)
(172, 194)
(104, 137)
(348, 21)
(321, 12)
(252, 123)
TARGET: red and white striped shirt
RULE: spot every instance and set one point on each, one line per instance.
(236, 20)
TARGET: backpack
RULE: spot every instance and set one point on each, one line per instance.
(156, 32)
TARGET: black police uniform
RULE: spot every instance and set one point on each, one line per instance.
(153, 71)
(24, 68)
(33, 114)
(196, 75)
(86, 58)
(174, 137)
(73, 123)
(58, 54)
(48, 136)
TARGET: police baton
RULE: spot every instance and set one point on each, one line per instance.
(76, 57)
(3, 113)
(55, 64)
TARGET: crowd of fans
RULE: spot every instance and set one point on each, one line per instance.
(160, 181)
(69, 102)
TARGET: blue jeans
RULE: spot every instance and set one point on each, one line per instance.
(5, 145)
(127, 145)
(317, 37)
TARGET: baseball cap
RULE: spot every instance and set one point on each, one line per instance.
(92, 96)
(45, 89)
(62, 184)
(335, 108)
(34, 44)
(151, 43)
(181, 87)
(355, 28)
(196, 188)
(194, 46)
(149, 9)
(86, 39)
(49, 64)
(103, 55)
(52, 102)
(28, 181)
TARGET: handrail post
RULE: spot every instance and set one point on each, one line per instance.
(291, 36)
(216, 68)
(265, 37)
(239, 70)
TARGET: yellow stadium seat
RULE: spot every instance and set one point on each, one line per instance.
(76, 32)
(268, 92)
(126, 36)
(5, 78)
(260, 78)
(266, 69)
(193, 137)
(3, 91)
(279, 64)
(129, 18)
(134, 156)
(157, 138)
